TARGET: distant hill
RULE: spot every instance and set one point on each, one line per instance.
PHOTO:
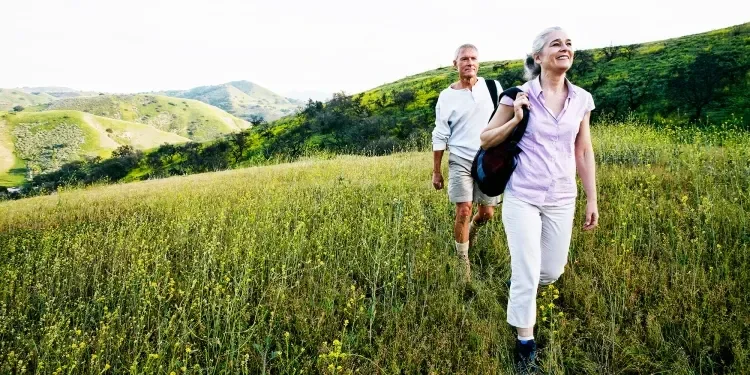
(44, 141)
(10, 98)
(59, 92)
(187, 118)
(242, 99)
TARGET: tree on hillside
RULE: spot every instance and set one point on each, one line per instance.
(239, 141)
(168, 152)
(433, 102)
(610, 52)
(257, 119)
(599, 80)
(312, 107)
(403, 98)
(214, 156)
(702, 82)
(583, 62)
(18, 108)
(123, 151)
(511, 77)
(499, 66)
(382, 101)
(628, 51)
(632, 92)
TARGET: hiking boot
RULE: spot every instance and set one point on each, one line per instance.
(525, 356)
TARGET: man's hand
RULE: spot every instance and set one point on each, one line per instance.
(437, 180)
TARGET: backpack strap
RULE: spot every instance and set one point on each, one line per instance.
(493, 95)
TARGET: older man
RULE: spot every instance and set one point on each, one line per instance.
(461, 113)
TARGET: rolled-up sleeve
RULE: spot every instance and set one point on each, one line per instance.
(442, 130)
(506, 100)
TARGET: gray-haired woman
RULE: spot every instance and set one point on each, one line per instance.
(539, 200)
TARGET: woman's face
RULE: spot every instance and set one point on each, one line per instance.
(557, 54)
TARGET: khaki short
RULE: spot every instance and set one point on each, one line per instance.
(461, 186)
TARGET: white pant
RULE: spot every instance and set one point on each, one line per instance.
(538, 239)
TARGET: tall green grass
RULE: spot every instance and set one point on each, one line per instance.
(347, 266)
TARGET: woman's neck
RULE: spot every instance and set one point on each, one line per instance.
(552, 82)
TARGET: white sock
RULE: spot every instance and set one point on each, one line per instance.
(462, 249)
(525, 338)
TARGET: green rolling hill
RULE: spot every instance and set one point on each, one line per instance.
(40, 142)
(187, 118)
(10, 98)
(242, 99)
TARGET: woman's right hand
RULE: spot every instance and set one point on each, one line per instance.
(518, 104)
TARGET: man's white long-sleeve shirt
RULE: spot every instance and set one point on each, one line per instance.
(460, 117)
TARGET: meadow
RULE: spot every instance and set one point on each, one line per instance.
(345, 264)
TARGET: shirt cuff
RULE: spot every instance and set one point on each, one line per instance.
(507, 100)
(438, 146)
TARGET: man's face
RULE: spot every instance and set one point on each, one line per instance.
(467, 63)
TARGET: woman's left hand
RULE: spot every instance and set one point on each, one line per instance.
(592, 216)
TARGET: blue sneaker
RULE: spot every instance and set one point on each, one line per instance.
(525, 356)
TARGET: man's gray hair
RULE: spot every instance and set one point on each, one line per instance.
(531, 68)
(463, 47)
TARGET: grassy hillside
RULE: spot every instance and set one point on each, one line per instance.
(45, 141)
(242, 99)
(349, 262)
(703, 79)
(187, 118)
(623, 79)
(140, 136)
(10, 98)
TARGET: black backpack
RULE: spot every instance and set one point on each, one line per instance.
(492, 168)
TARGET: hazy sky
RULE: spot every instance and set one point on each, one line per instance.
(323, 45)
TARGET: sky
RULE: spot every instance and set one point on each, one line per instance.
(298, 46)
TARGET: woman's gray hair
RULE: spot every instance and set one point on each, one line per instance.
(530, 67)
